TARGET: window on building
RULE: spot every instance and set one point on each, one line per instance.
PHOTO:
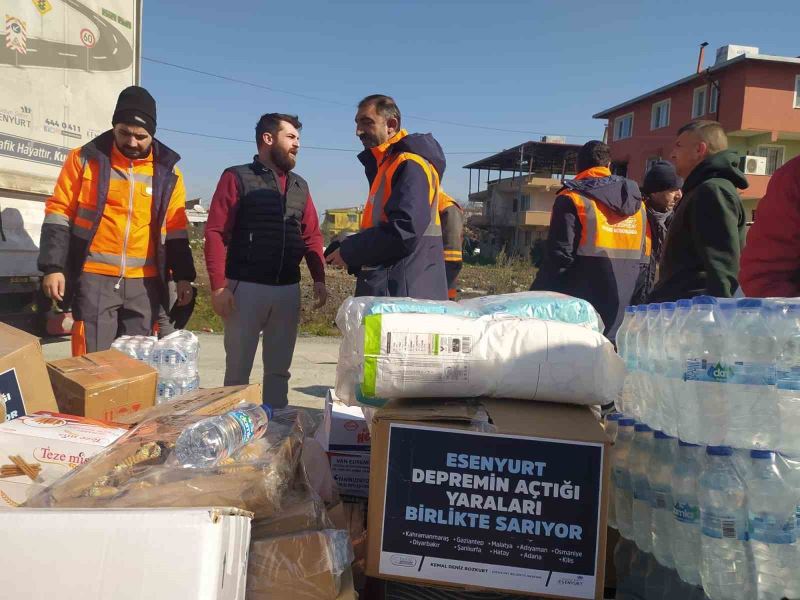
(713, 103)
(699, 102)
(623, 127)
(660, 114)
(515, 205)
(797, 91)
(774, 156)
(352, 217)
(526, 202)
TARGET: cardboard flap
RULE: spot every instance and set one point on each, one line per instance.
(430, 410)
(101, 368)
(545, 419)
(12, 340)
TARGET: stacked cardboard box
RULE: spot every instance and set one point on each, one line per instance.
(24, 385)
(497, 496)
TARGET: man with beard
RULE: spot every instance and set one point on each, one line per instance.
(115, 230)
(261, 224)
(399, 251)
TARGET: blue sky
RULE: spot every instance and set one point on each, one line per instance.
(533, 66)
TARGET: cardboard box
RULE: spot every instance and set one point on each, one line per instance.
(343, 428)
(24, 385)
(305, 565)
(124, 554)
(516, 505)
(351, 472)
(104, 385)
(212, 401)
(56, 443)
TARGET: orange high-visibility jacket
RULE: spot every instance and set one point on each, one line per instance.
(111, 215)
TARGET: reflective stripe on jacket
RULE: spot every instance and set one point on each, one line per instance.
(452, 218)
(605, 233)
(111, 215)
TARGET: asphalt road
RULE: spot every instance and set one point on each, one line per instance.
(313, 368)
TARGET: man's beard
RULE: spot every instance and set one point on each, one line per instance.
(134, 154)
(369, 141)
(283, 159)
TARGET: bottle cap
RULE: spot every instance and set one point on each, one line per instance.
(683, 304)
(641, 308)
(630, 309)
(687, 444)
(614, 416)
(627, 422)
(660, 435)
(704, 301)
(761, 454)
(641, 427)
(667, 306)
(267, 409)
(750, 303)
(719, 450)
(654, 307)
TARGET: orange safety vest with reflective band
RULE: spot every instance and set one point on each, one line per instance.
(381, 189)
(124, 244)
(607, 234)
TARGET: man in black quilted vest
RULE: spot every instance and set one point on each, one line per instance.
(261, 224)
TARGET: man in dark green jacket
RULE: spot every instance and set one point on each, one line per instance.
(705, 239)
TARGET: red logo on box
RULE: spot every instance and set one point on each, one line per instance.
(350, 425)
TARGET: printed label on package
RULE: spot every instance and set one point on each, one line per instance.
(11, 395)
(491, 510)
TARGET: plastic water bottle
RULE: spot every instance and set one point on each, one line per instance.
(788, 380)
(675, 364)
(167, 388)
(654, 339)
(623, 402)
(726, 311)
(751, 356)
(661, 503)
(646, 389)
(663, 409)
(686, 512)
(211, 440)
(610, 425)
(639, 461)
(633, 359)
(621, 478)
(771, 506)
(703, 405)
(790, 467)
(726, 564)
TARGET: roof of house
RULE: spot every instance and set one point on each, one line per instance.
(533, 157)
(712, 69)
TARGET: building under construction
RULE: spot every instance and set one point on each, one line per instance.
(517, 188)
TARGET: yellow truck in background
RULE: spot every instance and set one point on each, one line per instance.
(340, 220)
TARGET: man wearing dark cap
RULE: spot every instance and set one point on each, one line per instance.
(661, 191)
(115, 230)
(598, 245)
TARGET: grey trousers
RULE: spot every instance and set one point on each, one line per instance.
(104, 313)
(275, 311)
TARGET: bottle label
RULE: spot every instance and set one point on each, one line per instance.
(723, 526)
(771, 530)
(686, 512)
(641, 489)
(797, 516)
(708, 371)
(751, 373)
(246, 423)
(660, 499)
(620, 478)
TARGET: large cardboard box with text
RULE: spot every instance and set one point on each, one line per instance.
(499, 495)
(24, 385)
(107, 385)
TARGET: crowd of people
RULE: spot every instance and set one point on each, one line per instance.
(115, 244)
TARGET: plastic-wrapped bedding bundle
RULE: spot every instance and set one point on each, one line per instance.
(420, 355)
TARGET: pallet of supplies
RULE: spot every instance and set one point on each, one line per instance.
(125, 554)
(407, 353)
(105, 385)
(494, 495)
(36, 450)
(24, 385)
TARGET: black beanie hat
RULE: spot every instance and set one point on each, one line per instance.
(660, 178)
(135, 106)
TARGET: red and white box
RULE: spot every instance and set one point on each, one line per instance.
(50, 443)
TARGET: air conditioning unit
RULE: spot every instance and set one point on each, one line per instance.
(753, 165)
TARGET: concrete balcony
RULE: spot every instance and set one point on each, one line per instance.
(533, 218)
